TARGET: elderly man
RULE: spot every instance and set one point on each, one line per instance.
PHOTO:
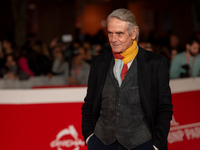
(128, 102)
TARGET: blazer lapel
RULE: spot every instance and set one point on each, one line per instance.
(103, 67)
(112, 73)
(144, 77)
(131, 72)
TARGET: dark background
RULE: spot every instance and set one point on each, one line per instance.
(47, 19)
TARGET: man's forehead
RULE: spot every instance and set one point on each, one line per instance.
(117, 25)
(195, 44)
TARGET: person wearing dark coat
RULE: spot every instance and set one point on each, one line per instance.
(128, 104)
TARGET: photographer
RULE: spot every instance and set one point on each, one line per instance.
(187, 64)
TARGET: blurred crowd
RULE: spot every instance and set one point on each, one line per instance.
(72, 58)
(62, 56)
(183, 60)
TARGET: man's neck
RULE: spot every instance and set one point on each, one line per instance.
(77, 62)
(189, 54)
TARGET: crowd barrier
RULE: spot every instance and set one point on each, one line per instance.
(58, 80)
(50, 118)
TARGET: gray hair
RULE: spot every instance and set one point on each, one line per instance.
(129, 17)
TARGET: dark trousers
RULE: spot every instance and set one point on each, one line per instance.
(95, 144)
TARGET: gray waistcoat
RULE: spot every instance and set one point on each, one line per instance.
(121, 116)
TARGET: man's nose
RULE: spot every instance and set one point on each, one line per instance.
(114, 38)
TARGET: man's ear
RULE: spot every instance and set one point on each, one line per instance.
(133, 36)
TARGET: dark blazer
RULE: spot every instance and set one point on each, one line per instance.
(155, 94)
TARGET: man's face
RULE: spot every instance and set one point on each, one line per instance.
(118, 35)
(9, 61)
(194, 49)
(81, 53)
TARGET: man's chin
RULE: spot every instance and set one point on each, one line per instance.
(116, 50)
(193, 54)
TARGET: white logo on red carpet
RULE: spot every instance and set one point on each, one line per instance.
(178, 132)
(72, 142)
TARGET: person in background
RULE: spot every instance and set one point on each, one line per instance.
(60, 65)
(149, 47)
(78, 68)
(128, 103)
(56, 45)
(99, 37)
(187, 64)
(88, 54)
(35, 59)
(10, 70)
(146, 45)
(7, 47)
(23, 59)
(97, 49)
(39, 59)
(169, 45)
(174, 43)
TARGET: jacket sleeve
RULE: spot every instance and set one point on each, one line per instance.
(87, 124)
(163, 107)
